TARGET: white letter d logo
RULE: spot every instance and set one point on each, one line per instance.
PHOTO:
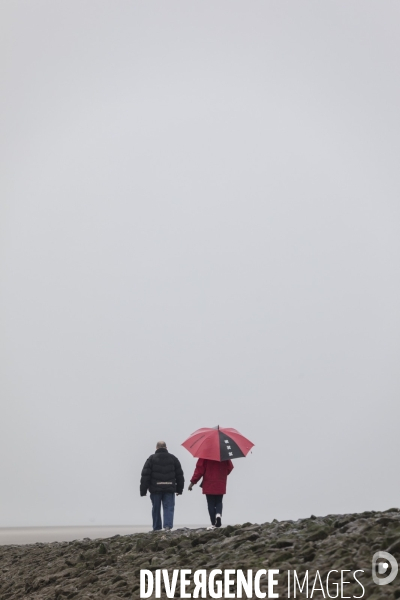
(382, 567)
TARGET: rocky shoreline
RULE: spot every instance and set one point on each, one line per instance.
(110, 568)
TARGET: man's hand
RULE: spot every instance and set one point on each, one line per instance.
(190, 486)
(178, 494)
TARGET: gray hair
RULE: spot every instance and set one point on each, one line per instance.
(161, 445)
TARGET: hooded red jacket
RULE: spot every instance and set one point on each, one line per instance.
(214, 475)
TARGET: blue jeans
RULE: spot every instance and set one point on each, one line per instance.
(167, 499)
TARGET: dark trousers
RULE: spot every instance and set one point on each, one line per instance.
(214, 503)
(167, 499)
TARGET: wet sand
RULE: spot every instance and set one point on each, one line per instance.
(32, 535)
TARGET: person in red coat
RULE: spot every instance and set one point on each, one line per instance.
(214, 474)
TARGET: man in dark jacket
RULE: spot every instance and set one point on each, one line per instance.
(162, 475)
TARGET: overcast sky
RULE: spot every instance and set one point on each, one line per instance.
(200, 225)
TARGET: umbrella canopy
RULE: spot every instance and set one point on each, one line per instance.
(217, 443)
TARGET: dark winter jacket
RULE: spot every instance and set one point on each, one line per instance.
(214, 475)
(162, 472)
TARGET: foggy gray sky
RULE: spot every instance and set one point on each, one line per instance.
(199, 226)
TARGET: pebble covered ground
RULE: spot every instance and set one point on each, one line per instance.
(109, 568)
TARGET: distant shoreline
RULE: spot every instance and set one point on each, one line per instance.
(33, 535)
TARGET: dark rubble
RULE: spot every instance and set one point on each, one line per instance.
(95, 569)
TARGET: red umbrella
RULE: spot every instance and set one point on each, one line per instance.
(217, 443)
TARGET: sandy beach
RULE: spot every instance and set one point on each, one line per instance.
(32, 535)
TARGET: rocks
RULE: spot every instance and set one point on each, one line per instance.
(394, 548)
(109, 569)
(319, 534)
(103, 548)
(283, 543)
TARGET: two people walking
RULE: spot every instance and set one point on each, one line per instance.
(163, 477)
